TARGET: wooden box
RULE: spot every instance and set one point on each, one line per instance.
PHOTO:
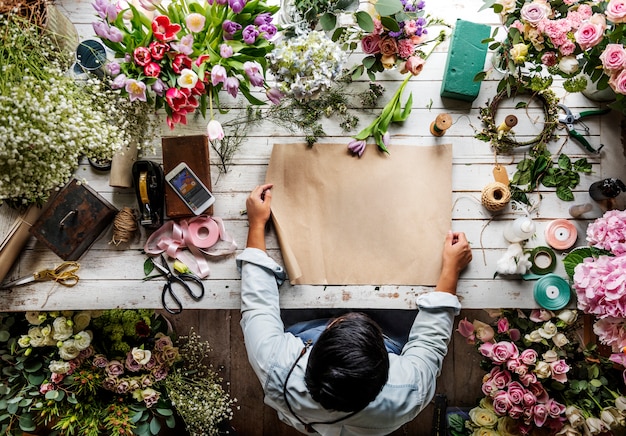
(73, 220)
(194, 151)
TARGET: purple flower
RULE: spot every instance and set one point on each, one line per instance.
(131, 364)
(100, 361)
(185, 46)
(253, 71)
(274, 95)
(232, 86)
(136, 90)
(237, 5)
(357, 146)
(159, 87)
(226, 51)
(101, 29)
(115, 34)
(267, 30)
(113, 68)
(230, 27)
(119, 82)
(221, 2)
(218, 75)
(250, 34)
(105, 9)
(264, 18)
(114, 368)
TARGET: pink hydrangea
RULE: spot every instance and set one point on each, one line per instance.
(609, 232)
(600, 285)
(611, 332)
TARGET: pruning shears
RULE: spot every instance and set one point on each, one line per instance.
(569, 119)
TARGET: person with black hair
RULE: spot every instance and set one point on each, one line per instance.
(343, 377)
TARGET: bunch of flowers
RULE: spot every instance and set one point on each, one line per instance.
(305, 65)
(179, 57)
(110, 372)
(393, 34)
(566, 37)
(47, 121)
(540, 381)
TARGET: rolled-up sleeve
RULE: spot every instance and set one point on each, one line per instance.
(262, 326)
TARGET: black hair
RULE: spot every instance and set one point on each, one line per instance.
(349, 364)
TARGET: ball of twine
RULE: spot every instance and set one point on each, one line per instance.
(124, 226)
(495, 196)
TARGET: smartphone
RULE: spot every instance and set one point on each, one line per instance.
(189, 188)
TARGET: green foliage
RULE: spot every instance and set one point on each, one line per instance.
(540, 169)
(578, 255)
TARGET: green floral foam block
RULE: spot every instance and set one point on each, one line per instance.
(466, 58)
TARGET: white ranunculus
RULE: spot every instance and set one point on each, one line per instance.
(81, 321)
(68, 350)
(82, 340)
(568, 64)
(35, 318)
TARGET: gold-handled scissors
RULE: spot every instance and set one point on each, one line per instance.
(64, 274)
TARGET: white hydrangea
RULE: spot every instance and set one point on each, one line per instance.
(306, 65)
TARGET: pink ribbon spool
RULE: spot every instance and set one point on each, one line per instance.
(561, 234)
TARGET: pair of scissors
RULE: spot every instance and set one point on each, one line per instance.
(64, 274)
(176, 281)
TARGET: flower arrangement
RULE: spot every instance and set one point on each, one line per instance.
(110, 372)
(565, 38)
(179, 57)
(540, 380)
(48, 121)
(305, 65)
(394, 34)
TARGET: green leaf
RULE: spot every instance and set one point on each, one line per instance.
(170, 421)
(387, 7)
(564, 193)
(369, 61)
(155, 426)
(148, 266)
(337, 33)
(165, 412)
(578, 255)
(480, 76)
(26, 423)
(564, 162)
(136, 417)
(328, 21)
(33, 366)
(390, 24)
(582, 165)
(365, 22)
(4, 335)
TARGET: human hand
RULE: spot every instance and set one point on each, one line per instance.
(456, 256)
(258, 205)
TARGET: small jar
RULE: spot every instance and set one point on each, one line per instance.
(519, 230)
(606, 189)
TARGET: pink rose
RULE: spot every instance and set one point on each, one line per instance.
(484, 332)
(371, 44)
(528, 356)
(529, 399)
(114, 368)
(500, 378)
(414, 65)
(616, 11)
(502, 403)
(540, 315)
(589, 34)
(486, 349)
(555, 409)
(534, 12)
(503, 351)
(503, 325)
(613, 58)
(540, 414)
(516, 412)
(388, 46)
(516, 392)
(559, 370)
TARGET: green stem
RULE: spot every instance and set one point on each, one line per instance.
(211, 101)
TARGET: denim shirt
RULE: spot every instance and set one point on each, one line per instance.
(271, 352)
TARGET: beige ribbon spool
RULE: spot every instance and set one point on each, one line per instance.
(496, 195)
(440, 125)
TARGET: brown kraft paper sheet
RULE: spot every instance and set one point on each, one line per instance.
(377, 220)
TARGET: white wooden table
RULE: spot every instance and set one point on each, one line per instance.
(111, 277)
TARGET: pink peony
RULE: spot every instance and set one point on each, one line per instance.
(616, 11)
(613, 57)
(601, 286)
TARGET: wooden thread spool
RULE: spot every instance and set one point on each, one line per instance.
(509, 122)
(440, 125)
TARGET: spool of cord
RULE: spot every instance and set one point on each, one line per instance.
(440, 125)
(543, 260)
(495, 196)
(552, 292)
(124, 226)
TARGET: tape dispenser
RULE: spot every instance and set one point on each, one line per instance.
(149, 189)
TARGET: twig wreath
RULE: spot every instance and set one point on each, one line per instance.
(504, 142)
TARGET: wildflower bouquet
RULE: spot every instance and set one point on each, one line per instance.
(47, 121)
(393, 34)
(540, 380)
(96, 373)
(180, 56)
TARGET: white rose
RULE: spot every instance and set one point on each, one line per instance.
(81, 321)
(62, 329)
(59, 366)
(141, 356)
(574, 416)
(534, 336)
(568, 316)
(68, 350)
(560, 340)
(542, 369)
(35, 318)
(82, 340)
(548, 330)
(550, 356)
(568, 64)
(508, 6)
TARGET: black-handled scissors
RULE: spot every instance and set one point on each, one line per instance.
(185, 281)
